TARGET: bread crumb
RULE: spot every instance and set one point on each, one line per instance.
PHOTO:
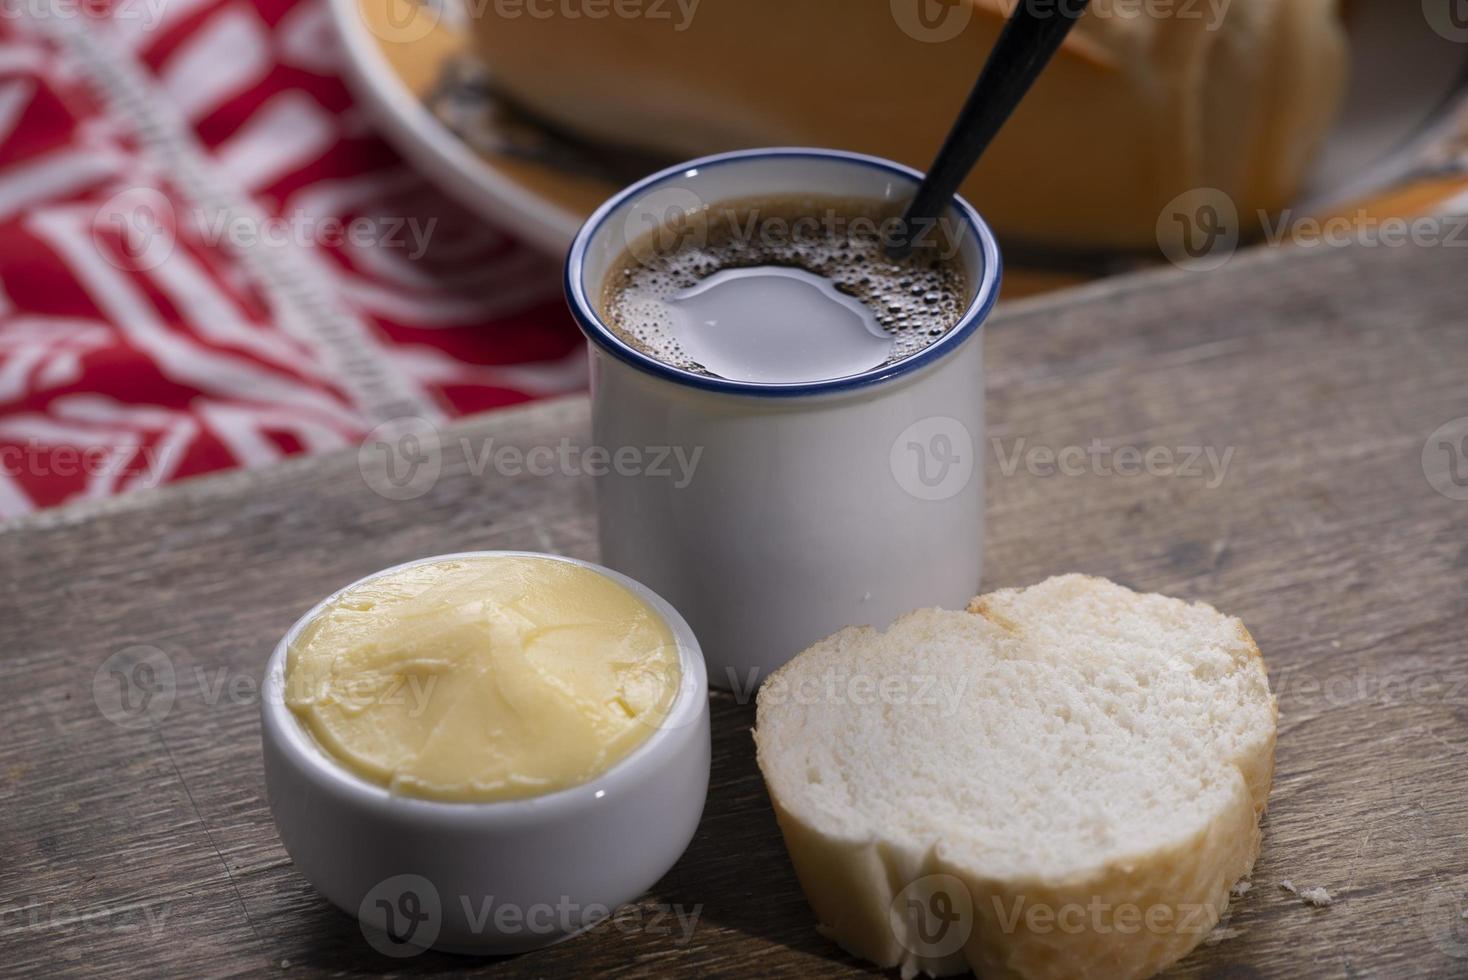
(1315, 895)
(1318, 897)
(1241, 887)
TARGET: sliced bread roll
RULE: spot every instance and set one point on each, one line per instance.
(1144, 102)
(1064, 781)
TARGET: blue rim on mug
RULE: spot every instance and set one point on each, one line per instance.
(985, 295)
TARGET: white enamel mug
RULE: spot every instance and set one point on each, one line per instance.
(807, 507)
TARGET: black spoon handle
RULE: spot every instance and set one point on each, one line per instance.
(1032, 35)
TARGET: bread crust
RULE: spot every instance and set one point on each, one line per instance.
(852, 881)
(1134, 111)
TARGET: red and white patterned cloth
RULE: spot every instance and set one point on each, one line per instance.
(208, 259)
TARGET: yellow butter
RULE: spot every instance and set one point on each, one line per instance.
(483, 679)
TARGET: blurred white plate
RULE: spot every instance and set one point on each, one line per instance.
(394, 52)
(1403, 75)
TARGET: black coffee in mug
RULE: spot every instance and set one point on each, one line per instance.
(784, 290)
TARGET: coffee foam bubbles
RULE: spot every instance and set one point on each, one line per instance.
(914, 302)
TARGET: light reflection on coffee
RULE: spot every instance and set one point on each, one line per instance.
(784, 290)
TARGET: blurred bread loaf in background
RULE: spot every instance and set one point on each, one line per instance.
(1145, 101)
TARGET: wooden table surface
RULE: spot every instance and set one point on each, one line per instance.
(1328, 519)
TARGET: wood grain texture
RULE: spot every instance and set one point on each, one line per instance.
(1320, 375)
